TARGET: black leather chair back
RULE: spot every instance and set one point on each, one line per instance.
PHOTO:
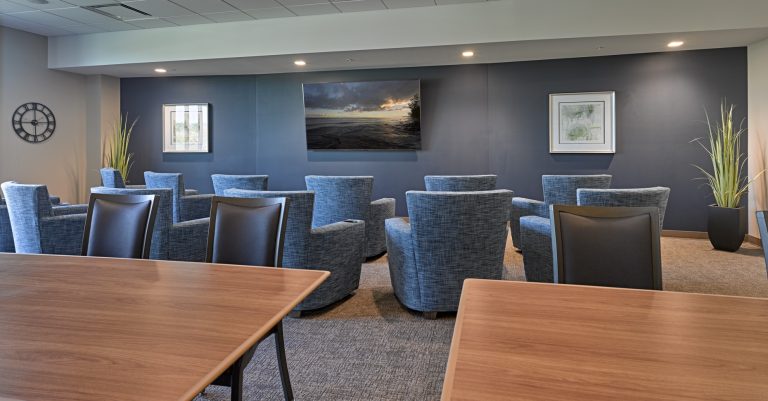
(607, 246)
(247, 231)
(119, 226)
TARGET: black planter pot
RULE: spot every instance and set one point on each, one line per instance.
(727, 227)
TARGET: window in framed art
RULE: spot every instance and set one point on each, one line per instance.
(582, 122)
(185, 128)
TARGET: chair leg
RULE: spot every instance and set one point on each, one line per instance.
(430, 315)
(282, 362)
(237, 381)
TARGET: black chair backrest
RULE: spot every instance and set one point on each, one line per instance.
(119, 226)
(607, 246)
(247, 231)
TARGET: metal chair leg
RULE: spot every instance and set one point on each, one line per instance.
(237, 380)
(282, 362)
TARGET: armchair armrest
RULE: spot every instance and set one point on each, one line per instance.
(69, 209)
(62, 235)
(528, 207)
(337, 244)
(195, 207)
(403, 272)
(188, 240)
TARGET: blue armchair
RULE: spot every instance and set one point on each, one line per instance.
(536, 232)
(459, 183)
(185, 241)
(6, 234)
(558, 190)
(340, 198)
(223, 182)
(37, 226)
(185, 207)
(451, 236)
(111, 178)
(336, 247)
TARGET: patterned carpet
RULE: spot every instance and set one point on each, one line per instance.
(368, 347)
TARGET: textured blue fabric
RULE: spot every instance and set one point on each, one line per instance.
(184, 241)
(558, 190)
(630, 197)
(460, 183)
(6, 234)
(111, 178)
(36, 227)
(223, 182)
(451, 236)
(185, 207)
(336, 247)
(338, 198)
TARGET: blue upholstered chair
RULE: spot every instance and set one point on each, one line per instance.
(36, 225)
(340, 198)
(223, 182)
(6, 234)
(536, 232)
(558, 190)
(451, 236)
(460, 183)
(336, 247)
(111, 178)
(185, 241)
(185, 207)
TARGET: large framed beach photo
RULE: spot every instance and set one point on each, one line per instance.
(185, 128)
(582, 122)
(373, 115)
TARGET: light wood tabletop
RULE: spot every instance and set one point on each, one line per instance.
(529, 341)
(77, 328)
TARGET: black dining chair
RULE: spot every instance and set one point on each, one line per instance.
(249, 232)
(119, 226)
(607, 246)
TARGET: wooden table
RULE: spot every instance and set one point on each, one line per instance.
(527, 341)
(76, 328)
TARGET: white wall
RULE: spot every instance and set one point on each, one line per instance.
(60, 162)
(758, 128)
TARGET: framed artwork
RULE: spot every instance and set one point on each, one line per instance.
(582, 122)
(185, 128)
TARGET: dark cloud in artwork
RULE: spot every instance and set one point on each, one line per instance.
(357, 96)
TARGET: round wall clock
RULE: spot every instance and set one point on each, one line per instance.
(33, 122)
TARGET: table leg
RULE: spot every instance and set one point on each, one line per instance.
(282, 362)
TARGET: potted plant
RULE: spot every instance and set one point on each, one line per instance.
(116, 148)
(727, 218)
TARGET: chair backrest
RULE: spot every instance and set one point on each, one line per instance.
(561, 189)
(247, 231)
(223, 182)
(338, 198)
(607, 246)
(159, 245)
(26, 205)
(119, 226)
(173, 181)
(111, 178)
(460, 183)
(457, 235)
(630, 197)
(298, 224)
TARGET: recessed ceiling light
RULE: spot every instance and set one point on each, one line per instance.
(161, 70)
(300, 63)
(675, 43)
(468, 53)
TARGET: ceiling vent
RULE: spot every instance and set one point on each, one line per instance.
(120, 12)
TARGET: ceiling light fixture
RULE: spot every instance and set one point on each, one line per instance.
(161, 70)
(300, 63)
(468, 53)
(675, 43)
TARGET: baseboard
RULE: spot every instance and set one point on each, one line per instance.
(703, 235)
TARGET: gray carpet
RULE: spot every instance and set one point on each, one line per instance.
(368, 347)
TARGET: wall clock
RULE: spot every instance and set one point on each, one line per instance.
(33, 122)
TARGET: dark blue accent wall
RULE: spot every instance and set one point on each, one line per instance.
(475, 119)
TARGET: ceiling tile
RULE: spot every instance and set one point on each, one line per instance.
(315, 9)
(89, 2)
(44, 18)
(229, 16)
(291, 3)
(82, 29)
(205, 6)
(50, 4)
(151, 23)
(82, 15)
(159, 8)
(444, 2)
(116, 26)
(408, 3)
(254, 4)
(11, 7)
(264, 13)
(359, 5)
(192, 19)
(24, 25)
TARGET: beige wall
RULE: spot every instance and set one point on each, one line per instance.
(66, 161)
(758, 128)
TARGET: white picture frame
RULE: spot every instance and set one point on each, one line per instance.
(186, 128)
(582, 122)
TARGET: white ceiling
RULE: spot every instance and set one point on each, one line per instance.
(69, 17)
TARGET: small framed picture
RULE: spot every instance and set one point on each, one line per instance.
(582, 122)
(185, 128)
